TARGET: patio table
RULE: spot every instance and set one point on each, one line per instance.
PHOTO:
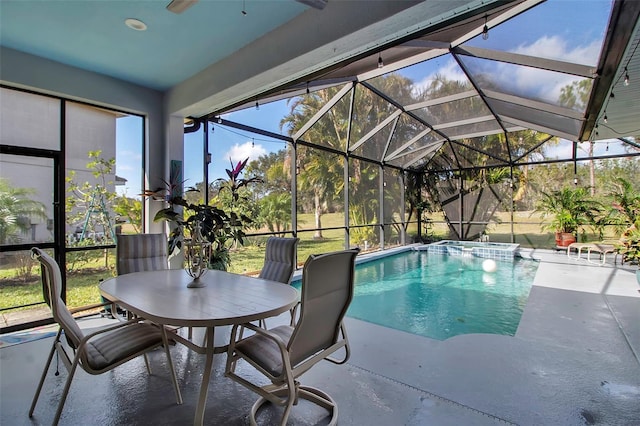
(226, 299)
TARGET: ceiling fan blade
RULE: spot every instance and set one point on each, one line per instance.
(179, 6)
(316, 4)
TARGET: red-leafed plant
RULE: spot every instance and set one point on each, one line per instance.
(223, 228)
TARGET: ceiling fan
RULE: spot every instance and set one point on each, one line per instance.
(179, 6)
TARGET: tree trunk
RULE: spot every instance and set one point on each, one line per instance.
(592, 171)
(318, 215)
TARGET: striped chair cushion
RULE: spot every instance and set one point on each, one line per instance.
(280, 259)
(141, 252)
(109, 348)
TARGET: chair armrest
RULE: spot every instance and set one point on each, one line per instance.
(89, 307)
(266, 333)
(347, 348)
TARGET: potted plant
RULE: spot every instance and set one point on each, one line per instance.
(222, 227)
(569, 209)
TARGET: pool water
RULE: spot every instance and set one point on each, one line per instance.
(441, 296)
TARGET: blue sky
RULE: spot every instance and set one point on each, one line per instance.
(557, 29)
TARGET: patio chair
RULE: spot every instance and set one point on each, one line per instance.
(99, 351)
(280, 259)
(141, 252)
(137, 253)
(286, 352)
(280, 264)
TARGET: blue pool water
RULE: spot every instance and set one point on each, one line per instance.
(441, 296)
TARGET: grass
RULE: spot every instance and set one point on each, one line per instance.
(91, 267)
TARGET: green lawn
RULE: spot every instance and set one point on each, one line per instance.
(90, 267)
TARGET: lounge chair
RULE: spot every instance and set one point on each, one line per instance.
(602, 248)
(578, 247)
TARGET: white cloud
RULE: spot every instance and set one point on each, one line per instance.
(542, 84)
(450, 71)
(563, 150)
(248, 149)
(555, 47)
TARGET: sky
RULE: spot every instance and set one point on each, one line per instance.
(557, 29)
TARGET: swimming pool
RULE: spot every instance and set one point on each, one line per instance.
(441, 296)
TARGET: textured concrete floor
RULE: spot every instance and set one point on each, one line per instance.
(573, 361)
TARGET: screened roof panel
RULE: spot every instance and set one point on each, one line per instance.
(330, 129)
(522, 81)
(411, 158)
(494, 145)
(468, 153)
(422, 162)
(537, 119)
(428, 80)
(369, 111)
(453, 111)
(525, 144)
(558, 149)
(464, 131)
(533, 76)
(444, 159)
(561, 32)
(409, 134)
(373, 147)
(603, 148)
(411, 47)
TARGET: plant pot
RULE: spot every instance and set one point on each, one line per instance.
(564, 239)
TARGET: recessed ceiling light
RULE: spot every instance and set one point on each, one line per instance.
(135, 24)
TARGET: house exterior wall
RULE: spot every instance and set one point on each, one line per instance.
(30, 72)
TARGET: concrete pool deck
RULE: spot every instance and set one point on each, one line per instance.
(573, 361)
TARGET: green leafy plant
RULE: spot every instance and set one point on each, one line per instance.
(91, 203)
(629, 246)
(625, 215)
(16, 208)
(570, 209)
(221, 227)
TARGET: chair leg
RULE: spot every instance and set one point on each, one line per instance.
(44, 374)
(146, 363)
(172, 370)
(67, 385)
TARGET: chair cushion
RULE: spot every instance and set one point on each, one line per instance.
(106, 349)
(264, 351)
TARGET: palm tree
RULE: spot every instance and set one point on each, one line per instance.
(321, 176)
(320, 173)
(15, 204)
